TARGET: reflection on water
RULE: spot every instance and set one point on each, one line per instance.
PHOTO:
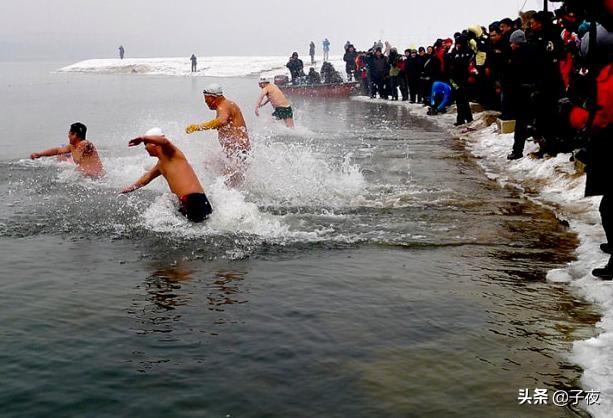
(226, 290)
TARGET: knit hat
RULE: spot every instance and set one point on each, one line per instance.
(518, 37)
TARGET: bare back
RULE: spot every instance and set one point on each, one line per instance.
(86, 157)
(233, 136)
(276, 96)
(179, 174)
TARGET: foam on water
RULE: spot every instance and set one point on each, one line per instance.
(280, 174)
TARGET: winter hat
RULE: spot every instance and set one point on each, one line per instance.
(518, 37)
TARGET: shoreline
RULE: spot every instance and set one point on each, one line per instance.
(555, 183)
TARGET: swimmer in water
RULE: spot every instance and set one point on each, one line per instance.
(274, 95)
(82, 151)
(231, 131)
(177, 171)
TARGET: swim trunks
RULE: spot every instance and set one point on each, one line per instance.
(195, 207)
(283, 112)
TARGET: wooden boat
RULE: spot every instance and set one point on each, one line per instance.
(320, 90)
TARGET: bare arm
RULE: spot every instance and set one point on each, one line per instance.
(144, 180)
(223, 117)
(51, 152)
(259, 103)
(162, 141)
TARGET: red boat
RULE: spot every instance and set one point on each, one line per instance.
(320, 90)
(316, 90)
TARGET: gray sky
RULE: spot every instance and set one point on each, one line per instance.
(81, 29)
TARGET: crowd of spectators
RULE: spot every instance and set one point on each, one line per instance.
(550, 72)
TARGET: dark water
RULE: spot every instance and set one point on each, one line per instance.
(366, 267)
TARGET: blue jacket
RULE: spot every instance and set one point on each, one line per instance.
(439, 88)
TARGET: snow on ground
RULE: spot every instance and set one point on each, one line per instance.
(553, 182)
(207, 66)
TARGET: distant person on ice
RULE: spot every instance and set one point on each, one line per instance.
(122, 51)
(194, 61)
(312, 52)
(177, 171)
(326, 45)
(274, 95)
(83, 152)
(231, 131)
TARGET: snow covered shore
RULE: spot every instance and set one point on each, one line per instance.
(181, 67)
(553, 182)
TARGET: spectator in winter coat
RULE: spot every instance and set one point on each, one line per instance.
(379, 72)
(459, 61)
(440, 98)
(413, 68)
(312, 52)
(349, 58)
(522, 80)
(326, 49)
(296, 67)
(313, 77)
(395, 61)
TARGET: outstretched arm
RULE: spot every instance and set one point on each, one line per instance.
(51, 152)
(259, 102)
(162, 141)
(222, 119)
(144, 180)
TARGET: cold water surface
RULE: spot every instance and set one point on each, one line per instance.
(365, 268)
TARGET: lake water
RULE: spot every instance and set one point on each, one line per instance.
(366, 267)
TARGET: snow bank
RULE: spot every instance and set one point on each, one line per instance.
(181, 67)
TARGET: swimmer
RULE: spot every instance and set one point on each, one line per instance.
(274, 95)
(82, 151)
(177, 171)
(231, 131)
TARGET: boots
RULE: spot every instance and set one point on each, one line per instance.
(606, 272)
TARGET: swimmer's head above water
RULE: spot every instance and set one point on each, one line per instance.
(77, 133)
(152, 149)
(263, 81)
(213, 93)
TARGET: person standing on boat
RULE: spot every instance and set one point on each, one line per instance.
(326, 45)
(349, 58)
(274, 95)
(296, 67)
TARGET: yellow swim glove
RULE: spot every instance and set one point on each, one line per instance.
(192, 128)
(212, 124)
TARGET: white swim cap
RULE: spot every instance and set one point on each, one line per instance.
(154, 132)
(264, 79)
(213, 90)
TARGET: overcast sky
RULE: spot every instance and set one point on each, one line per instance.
(81, 29)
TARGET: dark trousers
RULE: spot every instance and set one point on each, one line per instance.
(193, 68)
(606, 212)
(465, 115)
(403, 84)
(415, 90)
(426, 89)
(393, 83)
(377, 85)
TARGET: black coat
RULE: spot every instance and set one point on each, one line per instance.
(380, 67)
(413, 67)
(296, 67)
(349, 59)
